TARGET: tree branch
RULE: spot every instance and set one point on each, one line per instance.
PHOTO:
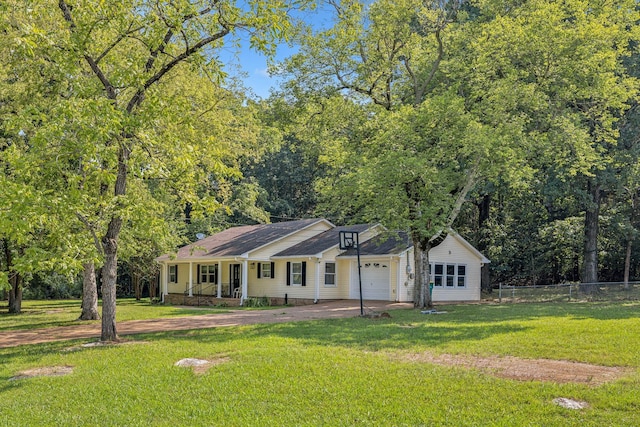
(96, 240)
(116, 41)
(419, 91)
(111, 92)
(138, 97)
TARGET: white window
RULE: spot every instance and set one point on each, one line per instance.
(462, 276)
(437, 275)
(449, 275)
(296, 273)
(209, 273)
(173, 274)
(265, 268)
(330, 274)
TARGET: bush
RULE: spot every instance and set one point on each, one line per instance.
(257, 302)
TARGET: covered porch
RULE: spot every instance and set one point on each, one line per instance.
(209, 281)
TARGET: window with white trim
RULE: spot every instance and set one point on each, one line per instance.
(173, 274)
(438, 271)
(296, 273)
(462, 276)
(330, 274)
(209, 273)
(265, 270)
(449, 275)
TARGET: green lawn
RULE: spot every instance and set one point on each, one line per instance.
(338, 373)
(46, 314)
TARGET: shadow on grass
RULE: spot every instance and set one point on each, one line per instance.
(361, 333)
(409, 328)
(33, 353)
(530, 311)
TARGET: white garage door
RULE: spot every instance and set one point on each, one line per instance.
(375, 280)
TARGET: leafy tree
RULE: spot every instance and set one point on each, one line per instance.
(117, 68)
(419, 149)
(564, 63)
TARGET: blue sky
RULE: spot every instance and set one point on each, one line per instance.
(252, 67)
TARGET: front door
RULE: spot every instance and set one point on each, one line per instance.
(234, 275)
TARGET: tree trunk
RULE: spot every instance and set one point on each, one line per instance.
(89, 293)
(135, 278)
(15, 281)
(153, 286)
(627, 263)
(591, 225)
(110, 248)
(483, 215)
(109, 277)
(421, 294)
(15, 293)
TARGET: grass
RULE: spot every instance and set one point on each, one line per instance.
(339, 372)
(46, 314)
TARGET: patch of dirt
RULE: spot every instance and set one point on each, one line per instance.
(558, 371)
(47, 371)
(200, 366)
(377, 315)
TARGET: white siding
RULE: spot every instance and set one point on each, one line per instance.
(278, 287)
(405, 288)
(452, 251)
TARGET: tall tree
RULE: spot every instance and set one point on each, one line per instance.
(114, 65)
(422, 148)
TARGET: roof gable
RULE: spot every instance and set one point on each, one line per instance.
(320, 242)
(238, 241)
(388, 243)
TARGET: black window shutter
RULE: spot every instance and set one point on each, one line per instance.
(304, 273)
(176, 273)
(259, 265)
(288, 273)
(273, 270)
(198, 273)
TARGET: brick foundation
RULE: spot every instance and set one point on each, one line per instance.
(208, 300)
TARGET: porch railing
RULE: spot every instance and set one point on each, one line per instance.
(201, 290)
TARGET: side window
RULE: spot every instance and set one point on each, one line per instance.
(173, 274)
(462, 276)
(266, 270)
(451, 274)
(296, 273)
(438, 272)
(330, 274)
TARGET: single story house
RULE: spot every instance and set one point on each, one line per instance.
(301, 262)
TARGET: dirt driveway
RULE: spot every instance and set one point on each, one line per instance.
(323, 310)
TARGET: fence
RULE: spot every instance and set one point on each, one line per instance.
(603, 291)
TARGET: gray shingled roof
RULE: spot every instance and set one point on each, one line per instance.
(320, 242)
(383, 244)
(240, 240)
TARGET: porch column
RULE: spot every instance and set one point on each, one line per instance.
(190, 278)
(245, 276)
(398, 278)
(164, 283)
(317, 297)
(219, 279)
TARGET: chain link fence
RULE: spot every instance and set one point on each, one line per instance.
(562, 292)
